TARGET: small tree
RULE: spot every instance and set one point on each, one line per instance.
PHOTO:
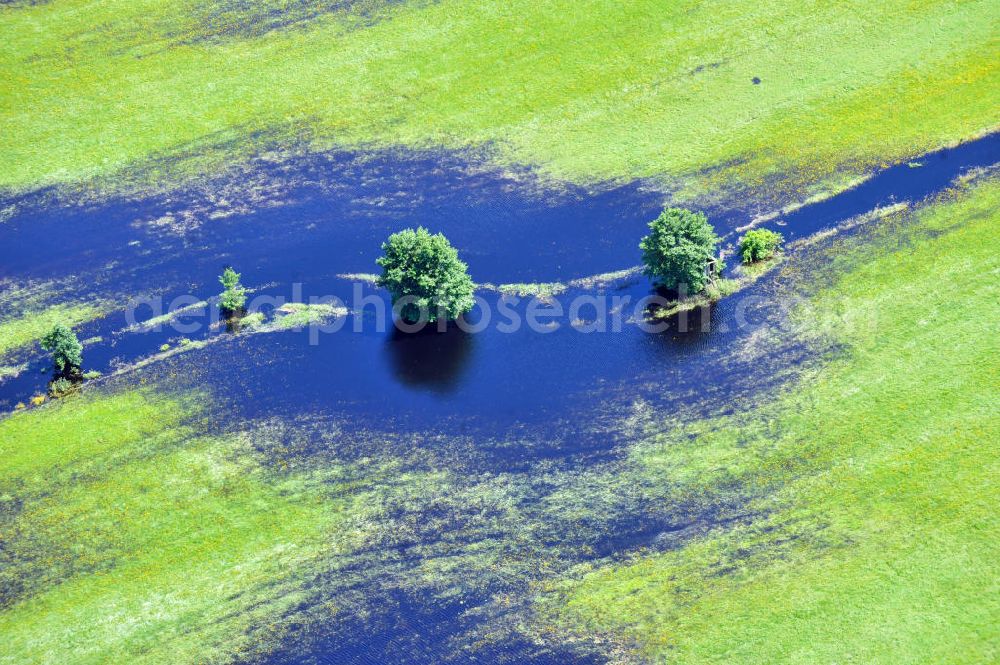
(678, 249)
(235, 296)
(759, 244)
(67, 352)
(426, 270)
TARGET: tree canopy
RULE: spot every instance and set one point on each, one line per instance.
(425, 270)
(234, 296)
(678, 248)
(67, 352)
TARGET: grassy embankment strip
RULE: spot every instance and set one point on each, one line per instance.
(874, 478)
(588, 91)
(20, 331)
(31, 309)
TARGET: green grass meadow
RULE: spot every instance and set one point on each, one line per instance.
(875, 477)
(583, 90)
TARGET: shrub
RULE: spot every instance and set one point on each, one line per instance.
(67, 352)
(235, 296)
(426, 270)
(91, 375)
(678, 248)
(61, 387)
(759, 244)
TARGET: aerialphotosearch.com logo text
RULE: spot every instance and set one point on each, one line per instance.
(368, 309)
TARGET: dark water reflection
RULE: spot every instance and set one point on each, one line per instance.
(431, 360)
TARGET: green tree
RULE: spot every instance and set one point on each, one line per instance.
(235, 296)
(678, 248)
(759, 244)
(425, 269)
(67, 352)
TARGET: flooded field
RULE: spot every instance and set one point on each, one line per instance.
(505, 400)
(319, 226)
(795, 463)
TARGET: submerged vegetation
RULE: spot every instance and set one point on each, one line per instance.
(712, 293)
(139, 538)
(298, 315)
(541, 290)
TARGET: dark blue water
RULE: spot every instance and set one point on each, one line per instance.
(330, 218)
(522, 396)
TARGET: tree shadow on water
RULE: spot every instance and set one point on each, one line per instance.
(430, 359)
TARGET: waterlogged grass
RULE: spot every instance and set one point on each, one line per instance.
(30, 309)
(25, 329)
(543, 290)
(589, 90)
(873, 481)
(8, 371)
(712, 293)
(199, 308)
(744, 276)
(130, 536)
(252, 321)
(300, 315)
